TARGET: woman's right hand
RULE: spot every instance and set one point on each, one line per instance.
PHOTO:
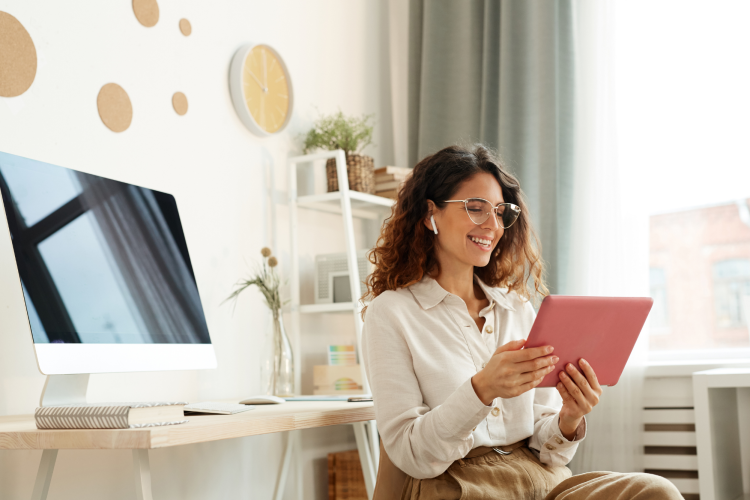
(512, 371)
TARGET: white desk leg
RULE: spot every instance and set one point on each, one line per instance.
(285, 461)
(372, 432)
(703, 438)
(142, 474)
(298, 464)
(44, 475)
(365, 457)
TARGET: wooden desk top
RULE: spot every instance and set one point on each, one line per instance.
(20, 433)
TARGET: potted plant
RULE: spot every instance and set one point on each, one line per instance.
(277, 370)
(352, 134)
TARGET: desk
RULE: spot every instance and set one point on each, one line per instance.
(722, 432)
(20, 433)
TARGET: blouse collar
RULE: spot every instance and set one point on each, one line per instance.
(429, 293)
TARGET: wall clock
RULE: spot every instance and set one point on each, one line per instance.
(261, 89)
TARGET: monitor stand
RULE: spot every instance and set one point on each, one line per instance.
(64, 390)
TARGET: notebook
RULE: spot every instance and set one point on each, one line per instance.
(109, 415)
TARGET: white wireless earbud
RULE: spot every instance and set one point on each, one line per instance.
(434, 227)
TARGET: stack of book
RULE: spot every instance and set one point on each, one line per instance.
(388, 180)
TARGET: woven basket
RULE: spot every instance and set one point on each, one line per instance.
(360, 170)
(345, 478)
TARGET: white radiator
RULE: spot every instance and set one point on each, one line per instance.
(669, 433)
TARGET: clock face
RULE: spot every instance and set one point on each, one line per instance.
(261, 89)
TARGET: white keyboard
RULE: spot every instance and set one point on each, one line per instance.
(217, 408)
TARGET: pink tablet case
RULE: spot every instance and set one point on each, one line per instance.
(601, 330)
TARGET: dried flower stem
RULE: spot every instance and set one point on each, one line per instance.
(267, 281)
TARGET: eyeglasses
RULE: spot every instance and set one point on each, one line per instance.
(479, 211)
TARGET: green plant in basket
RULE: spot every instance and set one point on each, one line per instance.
(338, 131)
(352, 134)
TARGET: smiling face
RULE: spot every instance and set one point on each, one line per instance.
(461, 242)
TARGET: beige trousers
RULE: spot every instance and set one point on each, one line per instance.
(487, 475)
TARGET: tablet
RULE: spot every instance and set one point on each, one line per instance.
(602, 330)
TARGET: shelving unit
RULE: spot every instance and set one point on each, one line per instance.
(327, 308)
(349, 204)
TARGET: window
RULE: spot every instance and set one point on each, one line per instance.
(705, 252)
(732, 293)
(659, 316)
(681, 107)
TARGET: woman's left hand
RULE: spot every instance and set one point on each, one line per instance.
(579, 393)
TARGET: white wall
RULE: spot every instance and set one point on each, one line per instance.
(231, 190)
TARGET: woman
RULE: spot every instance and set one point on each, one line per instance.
(455, 397)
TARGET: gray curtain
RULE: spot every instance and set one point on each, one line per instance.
(501, 72)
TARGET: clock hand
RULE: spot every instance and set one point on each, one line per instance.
(265, 69)
(256, 79)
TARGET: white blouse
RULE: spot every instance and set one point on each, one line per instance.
(421, 347)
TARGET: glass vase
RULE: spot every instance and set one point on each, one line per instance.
(282, 377)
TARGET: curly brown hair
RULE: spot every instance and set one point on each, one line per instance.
(405, 249)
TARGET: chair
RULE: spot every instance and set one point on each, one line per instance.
(391, 479)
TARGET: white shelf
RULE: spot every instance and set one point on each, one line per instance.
(326, 308)
(364, 205)
(338, 307)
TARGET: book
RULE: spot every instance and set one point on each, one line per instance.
(390, 177)
(109, 415)
(384, 186)
(393, 170)
(342, 355)
(390, 193)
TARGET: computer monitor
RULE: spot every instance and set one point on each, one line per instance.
(105, 272)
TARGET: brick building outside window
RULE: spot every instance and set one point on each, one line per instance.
(700, 278)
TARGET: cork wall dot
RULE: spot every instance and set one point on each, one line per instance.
(179, 103)
(146, 11)
(185, 27)
(17, 57)
(114, 106)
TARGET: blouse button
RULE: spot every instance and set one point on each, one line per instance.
(496, 411)
(558, 440)
(549, 446)
(488, 329)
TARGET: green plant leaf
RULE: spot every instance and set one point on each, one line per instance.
(337, 131)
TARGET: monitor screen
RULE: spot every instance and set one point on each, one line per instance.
(100, 261)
